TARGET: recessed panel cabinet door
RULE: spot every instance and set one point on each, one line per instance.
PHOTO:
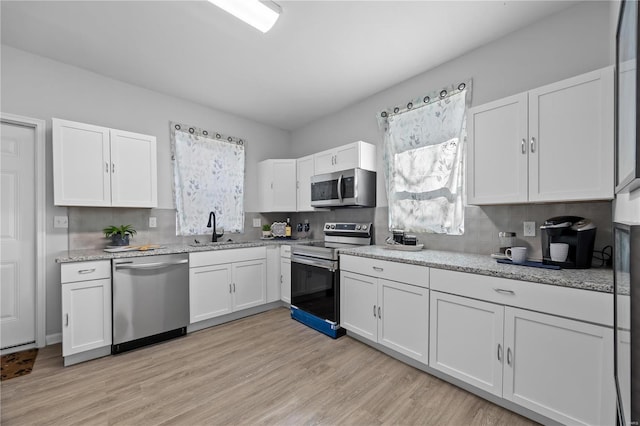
(404, 317)
(285, 280)
(304, 171)
(81, 164)
(558, 367)
(249, 284)
(209, 292)
(134, 174)
(571, 139)
(359, 304)
(466, 340)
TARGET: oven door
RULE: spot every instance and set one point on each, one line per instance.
(315, 287)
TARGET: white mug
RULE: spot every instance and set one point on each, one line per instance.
(559, 251)
(517, 254)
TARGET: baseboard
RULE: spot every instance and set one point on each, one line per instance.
(53, 339)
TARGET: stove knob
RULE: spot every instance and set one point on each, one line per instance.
(326, 226)
(358, 227)
(333, 227)
(364, 227)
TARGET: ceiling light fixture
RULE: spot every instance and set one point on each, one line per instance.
(259, 14)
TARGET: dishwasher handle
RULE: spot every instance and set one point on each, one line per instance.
(153, 265)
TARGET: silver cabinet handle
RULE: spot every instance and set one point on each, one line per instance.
(509, 356)
(504, 291)
(533, 144)
(87, 271)
(499, 352)
(113, 167)
(229, 288)
(377, 268)
(374, 311)
(152, 265)
(281, 280)
(106, 167)
(379, 313)
(234, 287)
(523, 146)
(66, 320)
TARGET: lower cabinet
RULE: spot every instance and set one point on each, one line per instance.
(221, 282)
(392, 313)
(285, 273)
(558, 367)
(86, 306)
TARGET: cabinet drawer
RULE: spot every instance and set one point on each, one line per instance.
(285, 251)
(583, 305)
(216, 257)
(393, 271)
(85, 271)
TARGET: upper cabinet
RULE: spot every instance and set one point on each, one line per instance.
(554, 143)
(277, 182)
(101, 167)
(304, 171)
(357, 154)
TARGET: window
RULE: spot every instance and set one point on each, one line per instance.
(208, 172)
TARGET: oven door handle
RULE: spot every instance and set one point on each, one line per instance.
(152, 265)
(330, 265)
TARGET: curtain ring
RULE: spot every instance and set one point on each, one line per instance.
(396, 109)
(384, 114)
(461, 86)
(230, 139)
(426, 99)
(204, 132)
(443, 93)
(218, 136)
(177, 127)
(191, 130)
(241, 142)
(409, 105)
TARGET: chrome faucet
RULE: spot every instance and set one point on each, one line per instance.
(214, 237)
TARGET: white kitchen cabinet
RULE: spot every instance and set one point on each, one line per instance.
(561, 368)
(273, 273)
(97, 166)
(392, 313)
(225, 281)
(304, 171)
(356, 154)
(285, 273)
(86, 307)
(553, 143)
(277, 180)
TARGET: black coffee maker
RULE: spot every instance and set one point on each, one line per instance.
(579, 233)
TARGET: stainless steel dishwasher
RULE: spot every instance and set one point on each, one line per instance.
(150, 300)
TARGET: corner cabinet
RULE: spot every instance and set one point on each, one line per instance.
(554, 143)
(225, 281)
(304, 171)
(387, 303)
(559, 367)
(86, 310)
(102, 167)
(357, 154)
(277, 183)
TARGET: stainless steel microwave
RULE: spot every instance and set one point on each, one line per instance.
(346, 188)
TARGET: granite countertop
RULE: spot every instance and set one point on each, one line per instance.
(99, 254)
(596, 279)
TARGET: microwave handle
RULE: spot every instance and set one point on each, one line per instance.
(340, 188)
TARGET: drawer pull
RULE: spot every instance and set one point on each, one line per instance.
(505, 291)
(499, 352)
(509, 356)
(377, 268)
(374, 311)
(87, 271)
(379, 313)
(229, 288)
(66, 320)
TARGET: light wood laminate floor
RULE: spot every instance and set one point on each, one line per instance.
(265, 369)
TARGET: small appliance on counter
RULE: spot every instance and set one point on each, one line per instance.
(580, 235)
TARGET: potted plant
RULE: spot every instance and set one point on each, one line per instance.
(266, 231)
(119, 234)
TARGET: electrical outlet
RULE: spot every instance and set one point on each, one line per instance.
(257, 223)
(153, 222)
(529, 229)
(60, 221)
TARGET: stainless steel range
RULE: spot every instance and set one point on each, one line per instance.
(315, 276)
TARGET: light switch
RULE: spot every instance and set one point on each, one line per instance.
(153, 222)
(529, 229)
(60, 221)
(257, 223)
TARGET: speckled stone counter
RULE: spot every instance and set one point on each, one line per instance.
(596, 279)
(86, 255)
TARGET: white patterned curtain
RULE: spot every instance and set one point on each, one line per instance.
(424, 151)
(208, 176)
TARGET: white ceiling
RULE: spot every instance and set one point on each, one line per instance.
(320, 56)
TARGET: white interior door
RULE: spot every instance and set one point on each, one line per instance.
(18, 233)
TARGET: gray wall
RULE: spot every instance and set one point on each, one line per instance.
(38, 87)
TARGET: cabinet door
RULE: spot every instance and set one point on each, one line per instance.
(134, 174)
(304, 171)
(404, 318)
(81, 164)
(278, 185)
(86, 316)
(359, 304)
(285, 280)
(209, 292)
(497, 157)
(324, 162)
(571, 139)
(560, 368)
(466, 340)
(249, 285)
(273, 273)
(347, 157)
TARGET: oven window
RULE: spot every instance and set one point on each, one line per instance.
(313, 289)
